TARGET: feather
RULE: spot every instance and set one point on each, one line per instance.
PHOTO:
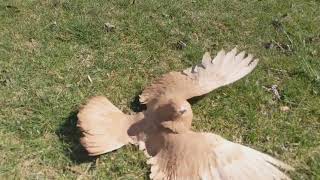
(224, 69)
(209, 156)
(103, 126)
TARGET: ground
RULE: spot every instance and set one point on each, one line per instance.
(54, 54)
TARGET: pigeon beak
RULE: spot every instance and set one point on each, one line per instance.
(182, 111)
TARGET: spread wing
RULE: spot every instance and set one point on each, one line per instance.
(207, 156)
(210, 74)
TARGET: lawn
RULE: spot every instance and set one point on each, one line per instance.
(54, 54)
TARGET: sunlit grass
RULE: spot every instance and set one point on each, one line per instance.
(49, 48)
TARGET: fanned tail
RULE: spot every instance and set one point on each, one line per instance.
(104, 126)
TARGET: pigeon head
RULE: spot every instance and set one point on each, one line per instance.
(179, 108)
(175, 114)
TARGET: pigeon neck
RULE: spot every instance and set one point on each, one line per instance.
(178, 125)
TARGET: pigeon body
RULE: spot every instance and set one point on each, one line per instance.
(164, 131)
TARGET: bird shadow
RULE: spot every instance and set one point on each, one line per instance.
(135, 104)
(196, 99)
(69, 135)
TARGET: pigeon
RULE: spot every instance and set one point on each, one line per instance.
(164, 133)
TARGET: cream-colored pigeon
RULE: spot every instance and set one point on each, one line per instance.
(163, 130)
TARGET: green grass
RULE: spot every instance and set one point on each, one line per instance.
(49, 47)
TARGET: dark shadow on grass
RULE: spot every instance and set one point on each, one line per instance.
(136, 106)
(69, 135)
(196, 99)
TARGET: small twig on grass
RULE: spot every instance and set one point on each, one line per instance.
(281, 46)
(279, 70)
(274, 90)
(89, 78)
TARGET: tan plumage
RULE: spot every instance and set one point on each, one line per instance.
(164, 132)
(99, 120)
(224, 69)
(209, 156)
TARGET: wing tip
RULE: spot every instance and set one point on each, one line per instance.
(234, 50)
(280, 164)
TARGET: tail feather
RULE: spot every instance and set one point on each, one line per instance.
(104, 126)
